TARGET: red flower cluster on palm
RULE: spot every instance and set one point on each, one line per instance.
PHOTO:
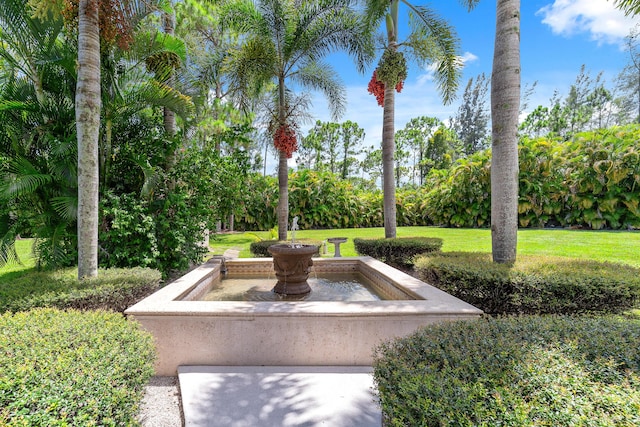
(285, 140)
(376, 88)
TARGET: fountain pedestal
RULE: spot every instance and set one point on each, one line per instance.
(292, 263)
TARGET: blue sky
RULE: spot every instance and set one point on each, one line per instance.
(557, 37)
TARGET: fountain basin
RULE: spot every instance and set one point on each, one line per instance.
(325, 333)
(292, 264)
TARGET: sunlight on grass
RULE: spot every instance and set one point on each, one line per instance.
(27, 261)
(612, 246)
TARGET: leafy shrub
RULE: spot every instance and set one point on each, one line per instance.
(592, 181)
(513, 372)
(113, 289)
(319, 199)
(462, 197)
(399, 251)
(72, 368)
(260, 249)
(127, 232)
(534, 285)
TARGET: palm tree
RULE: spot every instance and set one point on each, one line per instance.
(88, 129)
(431, 40)
(286, 40)
(505, 104)
(630, 7)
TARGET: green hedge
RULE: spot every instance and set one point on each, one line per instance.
(63, 368)
(400, 251)
(534, 285)
(113, 289)
(513, 372)
(260, 249)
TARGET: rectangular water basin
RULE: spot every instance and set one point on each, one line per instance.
(285, 333)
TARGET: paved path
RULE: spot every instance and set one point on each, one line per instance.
(278, 396)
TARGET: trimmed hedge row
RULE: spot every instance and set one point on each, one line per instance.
(513, 372)
(113, 289)
(399, 251)
(62, 368)
(534, 285)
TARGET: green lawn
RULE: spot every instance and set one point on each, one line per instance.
(27, 262)
(613, 246)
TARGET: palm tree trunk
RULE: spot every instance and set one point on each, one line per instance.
(388, 147)
(88, 127)
(283, 170)
(505, 104)
(283, 196)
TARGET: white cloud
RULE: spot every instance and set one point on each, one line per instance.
(599, 18)
(430, 69)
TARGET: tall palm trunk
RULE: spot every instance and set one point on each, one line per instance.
(388, 133)
(388, 148)
(88, 126)
(283, 170)
(505, 104)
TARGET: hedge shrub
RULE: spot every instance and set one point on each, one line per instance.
(534, 285)
(260, 249)
(113, 289)
(513, 372)
(400, 250)
(62, 368)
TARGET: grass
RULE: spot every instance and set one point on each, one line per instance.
(27, 261)
(612, 246)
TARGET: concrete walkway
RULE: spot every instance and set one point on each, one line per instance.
(278, 396)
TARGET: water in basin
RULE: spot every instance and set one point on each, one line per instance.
(324, 287)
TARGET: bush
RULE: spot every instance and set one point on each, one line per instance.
(260, 249)
(513, 372)
(72, 368)
(534, 285)
(399, 251)
(113, 289)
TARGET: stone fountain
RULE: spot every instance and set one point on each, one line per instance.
(292, 263)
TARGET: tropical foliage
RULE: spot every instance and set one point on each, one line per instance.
(592, 181)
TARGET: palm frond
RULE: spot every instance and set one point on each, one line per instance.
(374, 13)
(325, 27)
(433, 40)
(162, 95)
(66, 207)
(153, 175)
(22, 178)
(321, 76)
(629, 7)
(469, 4)
(8, 253)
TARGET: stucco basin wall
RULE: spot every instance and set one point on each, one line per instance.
(192, 332)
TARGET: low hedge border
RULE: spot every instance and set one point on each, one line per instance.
(62, 368)
(513, 372)
(113, 289)
(534, 284)
(399, 251)
(260, 249)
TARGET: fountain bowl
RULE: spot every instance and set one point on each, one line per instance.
(292, 264)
